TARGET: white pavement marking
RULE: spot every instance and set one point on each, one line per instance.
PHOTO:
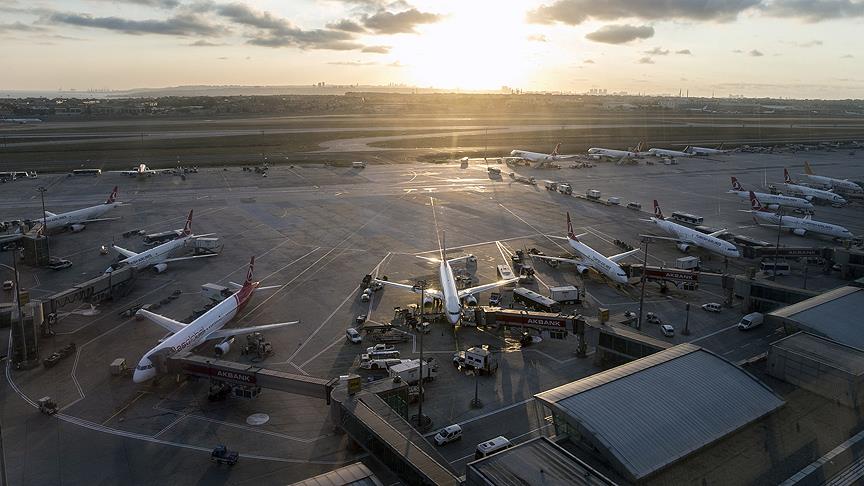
(733, 326)
(234, 425)
(477, 244)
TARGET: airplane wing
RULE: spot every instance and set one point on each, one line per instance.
(180, 259)
(718, 233)
(485, 287)
(237, 286)
(451, 260)
(430, 292)
(98, 219)
(621, 256)
(224, 333)
(677, 240)
(50, 214)
(429, 259)
(170, 324)
(126, 253)
(558, 259)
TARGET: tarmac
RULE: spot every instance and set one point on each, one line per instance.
(315, 231)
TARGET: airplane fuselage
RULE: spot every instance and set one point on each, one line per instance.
(706, 151)
(773, 199)
(656, 152)
(598, 262)
(809, 225)
(830, 182)
(604, 152)
(814, 193)
(689, 235)
(452, 304)
(63, 220)
(157, 255)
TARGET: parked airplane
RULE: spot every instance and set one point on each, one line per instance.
(205, 328)
(810, 193)
(613, 154)
(142, 170)
(705, 151)
(686, 237)
(842, 185)
(75, 221)
(159, 256)
(798, 226)
(592, 259)
(21, 121)
(773, 201)
(658, 152)
(452, 298)
(538, 157)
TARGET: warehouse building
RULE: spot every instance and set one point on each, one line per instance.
(834, 315)
(820, 365)
(641, 417)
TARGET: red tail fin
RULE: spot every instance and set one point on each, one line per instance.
(112, 197)
(786, 178)
(249, 273)
(187, 230)
(755, 205)
(570, 233)
(657, 212)
(555, 151)
(736, 185)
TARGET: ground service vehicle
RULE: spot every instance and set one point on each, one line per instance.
(221, 455)
(377, 364)
(448, 434)
(480, 359)
(593, 194)
(687, 263)
(653, 318)
(360, 164)
(634, 205)
(550, 185)
(565, 189)
(352, 335)
(47, 405)
(711, 307)
(535, 301)
(687, 218)
(667, 330)
(492, 446)
(750, 321)
(409, 371)
(565, 295)
(775, 268)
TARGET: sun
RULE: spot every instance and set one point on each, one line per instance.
(480, 45)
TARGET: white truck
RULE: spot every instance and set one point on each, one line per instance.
(614, 201)
(478, 358)
(687, 263)
(409, 371)
(565, 189)
(593, 194)
(750, 321)
(567, 294)
(550, 185)
(360, 164)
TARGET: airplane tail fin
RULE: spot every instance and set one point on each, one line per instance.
(187, 230)
(736, 185)
(786, 178)
(755, 205)
(112, 197)
(250, 272)
(555, 150)
(641, 146)
(570, 233)
(807, 169)
(658, 213)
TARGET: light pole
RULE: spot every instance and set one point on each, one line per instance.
(777, 249)
(420, 419)
(686, 331)
(644, 278)
(42, 190)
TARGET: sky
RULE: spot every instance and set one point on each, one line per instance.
(774, 48)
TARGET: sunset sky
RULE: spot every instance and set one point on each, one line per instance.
(783, 48)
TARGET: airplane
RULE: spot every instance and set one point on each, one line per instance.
(685, 237)
(75, 221)
(810, 193)
(205, 328)
(706, 151)
(798, 226)
(21, 121)
(538, 157)
(657, 152)
(449, 294)
(613, 154)
(773, 201)
(843, 185)
(158, 256)
(141, 170)
(592, 259)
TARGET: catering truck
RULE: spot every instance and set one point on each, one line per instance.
(409, 371)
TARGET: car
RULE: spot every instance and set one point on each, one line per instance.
(448, 434)
(366, 295)
(59, 264)
(103, 250)
(653, 318)
(8, 285)
(353, 336)
(667, 330)
(711, 307)
(380, 348)
(459, 358)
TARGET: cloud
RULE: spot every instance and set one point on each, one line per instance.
(352, 63)
(347, 25)
(204, 43)
(812, 43)
(384, 22)
(847, 56)
(620, 34)
(538, 38)
(587, 61)
(575, 12)
(685, 52)
(814, 10)
(756, 53)
(180, 25)
(645, 60)
(222, 58)
(376, 49)
(20, 27)
(658, 52)
(166, 4)
(738, 51)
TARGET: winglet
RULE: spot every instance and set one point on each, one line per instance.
(112, 197)
(658, 213)
(807, 169)
(187, 230)
(736, 185)
(570, 233)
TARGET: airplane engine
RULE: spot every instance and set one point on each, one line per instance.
(223, 347)
(77, 227)
(684, 247)
(160, 267)
(799, 232)
(773, 207)
(427, 301)
(469, 300)
(582, 269)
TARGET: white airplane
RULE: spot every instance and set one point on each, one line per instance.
(75, 221)
(658, 152)
(773, 201)
(538, 157)
(810, 193)
(159, 256)
(21, 121)
(798, 226)
(618, 155)
(205, 328)
(685, 237)
(141, 170)
(449, 294)
(843, 185)
(705, 151)
(592, 259)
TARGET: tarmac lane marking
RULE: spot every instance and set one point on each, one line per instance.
(131, 402)
(733, 326)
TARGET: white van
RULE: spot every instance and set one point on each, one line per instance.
(353, 336)
(359, 164)
(448, 434)
(750, 321)
(491, 447)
